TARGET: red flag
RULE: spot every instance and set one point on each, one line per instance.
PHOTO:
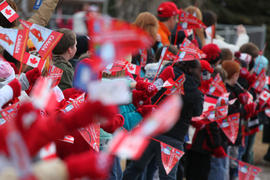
(14, 41)
(33, 61)
(188, 21)
(91, 135)
(217, 87)
(44, 39)
(177, 87)
(132, 144)
(143, 54)
(48, 152)
(8, 12)
(133, 69)
(9, 112)
(55, 74)
(68, 139)
(230, 126)
(112, 39)
(247, 171)
(169, 156)
(189, 51)
(210, 32)
(261, 80)
(209, 103)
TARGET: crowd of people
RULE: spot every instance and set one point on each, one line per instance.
(210, 154)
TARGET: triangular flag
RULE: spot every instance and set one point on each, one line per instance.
(259, 84)
(177, 87)
(91, 135)
(169, 156)
(112, 39)
(143, 54)
(68, 139)
(133, 69)
(48, 152)
(14, 41)
(209, 103)
(230, 126)
(217, 87)
(189, 51)
(9, 112)
(43, 38)
(247, 171)
(8, 12)
(55, 74)
(210, 32)
(33, 61)
(188, 21)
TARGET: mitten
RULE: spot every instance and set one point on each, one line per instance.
(219, 152)
(149, 88)
(89, 164)
(140, 98)
(243, 98)
(206, 66)
(252, 79)
(167, 73)
(250, 109)
(244, 73)
(9, 92)
(32, 76)
(146, 109)
(16, 88)
(111, 125)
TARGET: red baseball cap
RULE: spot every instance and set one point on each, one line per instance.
(167, 9)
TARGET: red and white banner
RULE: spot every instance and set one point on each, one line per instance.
(68, 139)
(247, 171)
(91, 135)
(230, 126)
(48, 152)
(9, 113)
(259, 84)
(188, 21)
(33, 61)
(209, 103)
(132, 144)
(189, 51)
(44, 39)
(8, 12)
(133, 69)
(55, 74)
(177, 87)
(169, 156)
(14, 41)
(217, 87)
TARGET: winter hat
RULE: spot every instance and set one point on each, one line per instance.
(167, 9)
(5, 70)
(261, 62)
(206, 66)
(213, 53)
(231, 67)
(243, 57)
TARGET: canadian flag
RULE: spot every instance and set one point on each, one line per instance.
(33, 61)
(133, 69)
(8, 12)
(209, 103)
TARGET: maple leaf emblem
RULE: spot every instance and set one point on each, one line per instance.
(8, 12)
(33, 60)
(131, 68)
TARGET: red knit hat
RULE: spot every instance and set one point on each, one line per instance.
(167, 9)
(213, 53)
(206, 66)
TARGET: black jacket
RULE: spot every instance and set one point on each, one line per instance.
(192, 105)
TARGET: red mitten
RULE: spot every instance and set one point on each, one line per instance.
(244, 73)
(111, 125)
(89, 164)
(219, 152)
(33, 75)
(206, 66)
(140, 98)
(149, 88)
(16, 87)
(243, 98)
(205, 85)
(146, 109)
(252, 79)
(250, 109)
(167, 73)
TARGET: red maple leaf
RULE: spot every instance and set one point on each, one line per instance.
(33, 60)
(8, 12)
(130, 67)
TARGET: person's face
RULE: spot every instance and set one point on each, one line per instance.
(73, 50)
(173, 21)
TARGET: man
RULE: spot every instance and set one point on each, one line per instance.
(167, 16)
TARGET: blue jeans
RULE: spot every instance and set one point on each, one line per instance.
(219, 169)
(135, 169)
(116, 171)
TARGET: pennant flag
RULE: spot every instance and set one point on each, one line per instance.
(209, 103)
(259, 84)
(177, 87)
(115, 67)
(33, 61)
(189, 51)
(8, 12)
(210, 32)
(68, 139)
(55, 74)
(133, 69)
(14, 41)
(217, 87)
(132, 144)
(265, 96)
(91, 135)
(247, 171)
(169, 156)
(230, 126)
(83, 76)
(169, 83)
(188, 21)
(9, 113)
(37, 4)
(143, 54)
(112, 39)
(44, 39)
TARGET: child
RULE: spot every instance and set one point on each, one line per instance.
(62, 53)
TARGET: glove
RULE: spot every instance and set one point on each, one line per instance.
(149, 88)
(250, 109)
(146, 109)
(243, 98)
(32, 76)
(219, 152)
(244, 73)
(205, 85)
(40, 131)
(167, 73)
(252, 79)
(140, 98)
(90, 164)
(16, 88)
(116, 122)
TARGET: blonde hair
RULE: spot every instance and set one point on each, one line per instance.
(199, 32)
(147, 22)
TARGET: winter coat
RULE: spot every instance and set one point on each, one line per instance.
(68, 72)
(164, 33)
(192, 105)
